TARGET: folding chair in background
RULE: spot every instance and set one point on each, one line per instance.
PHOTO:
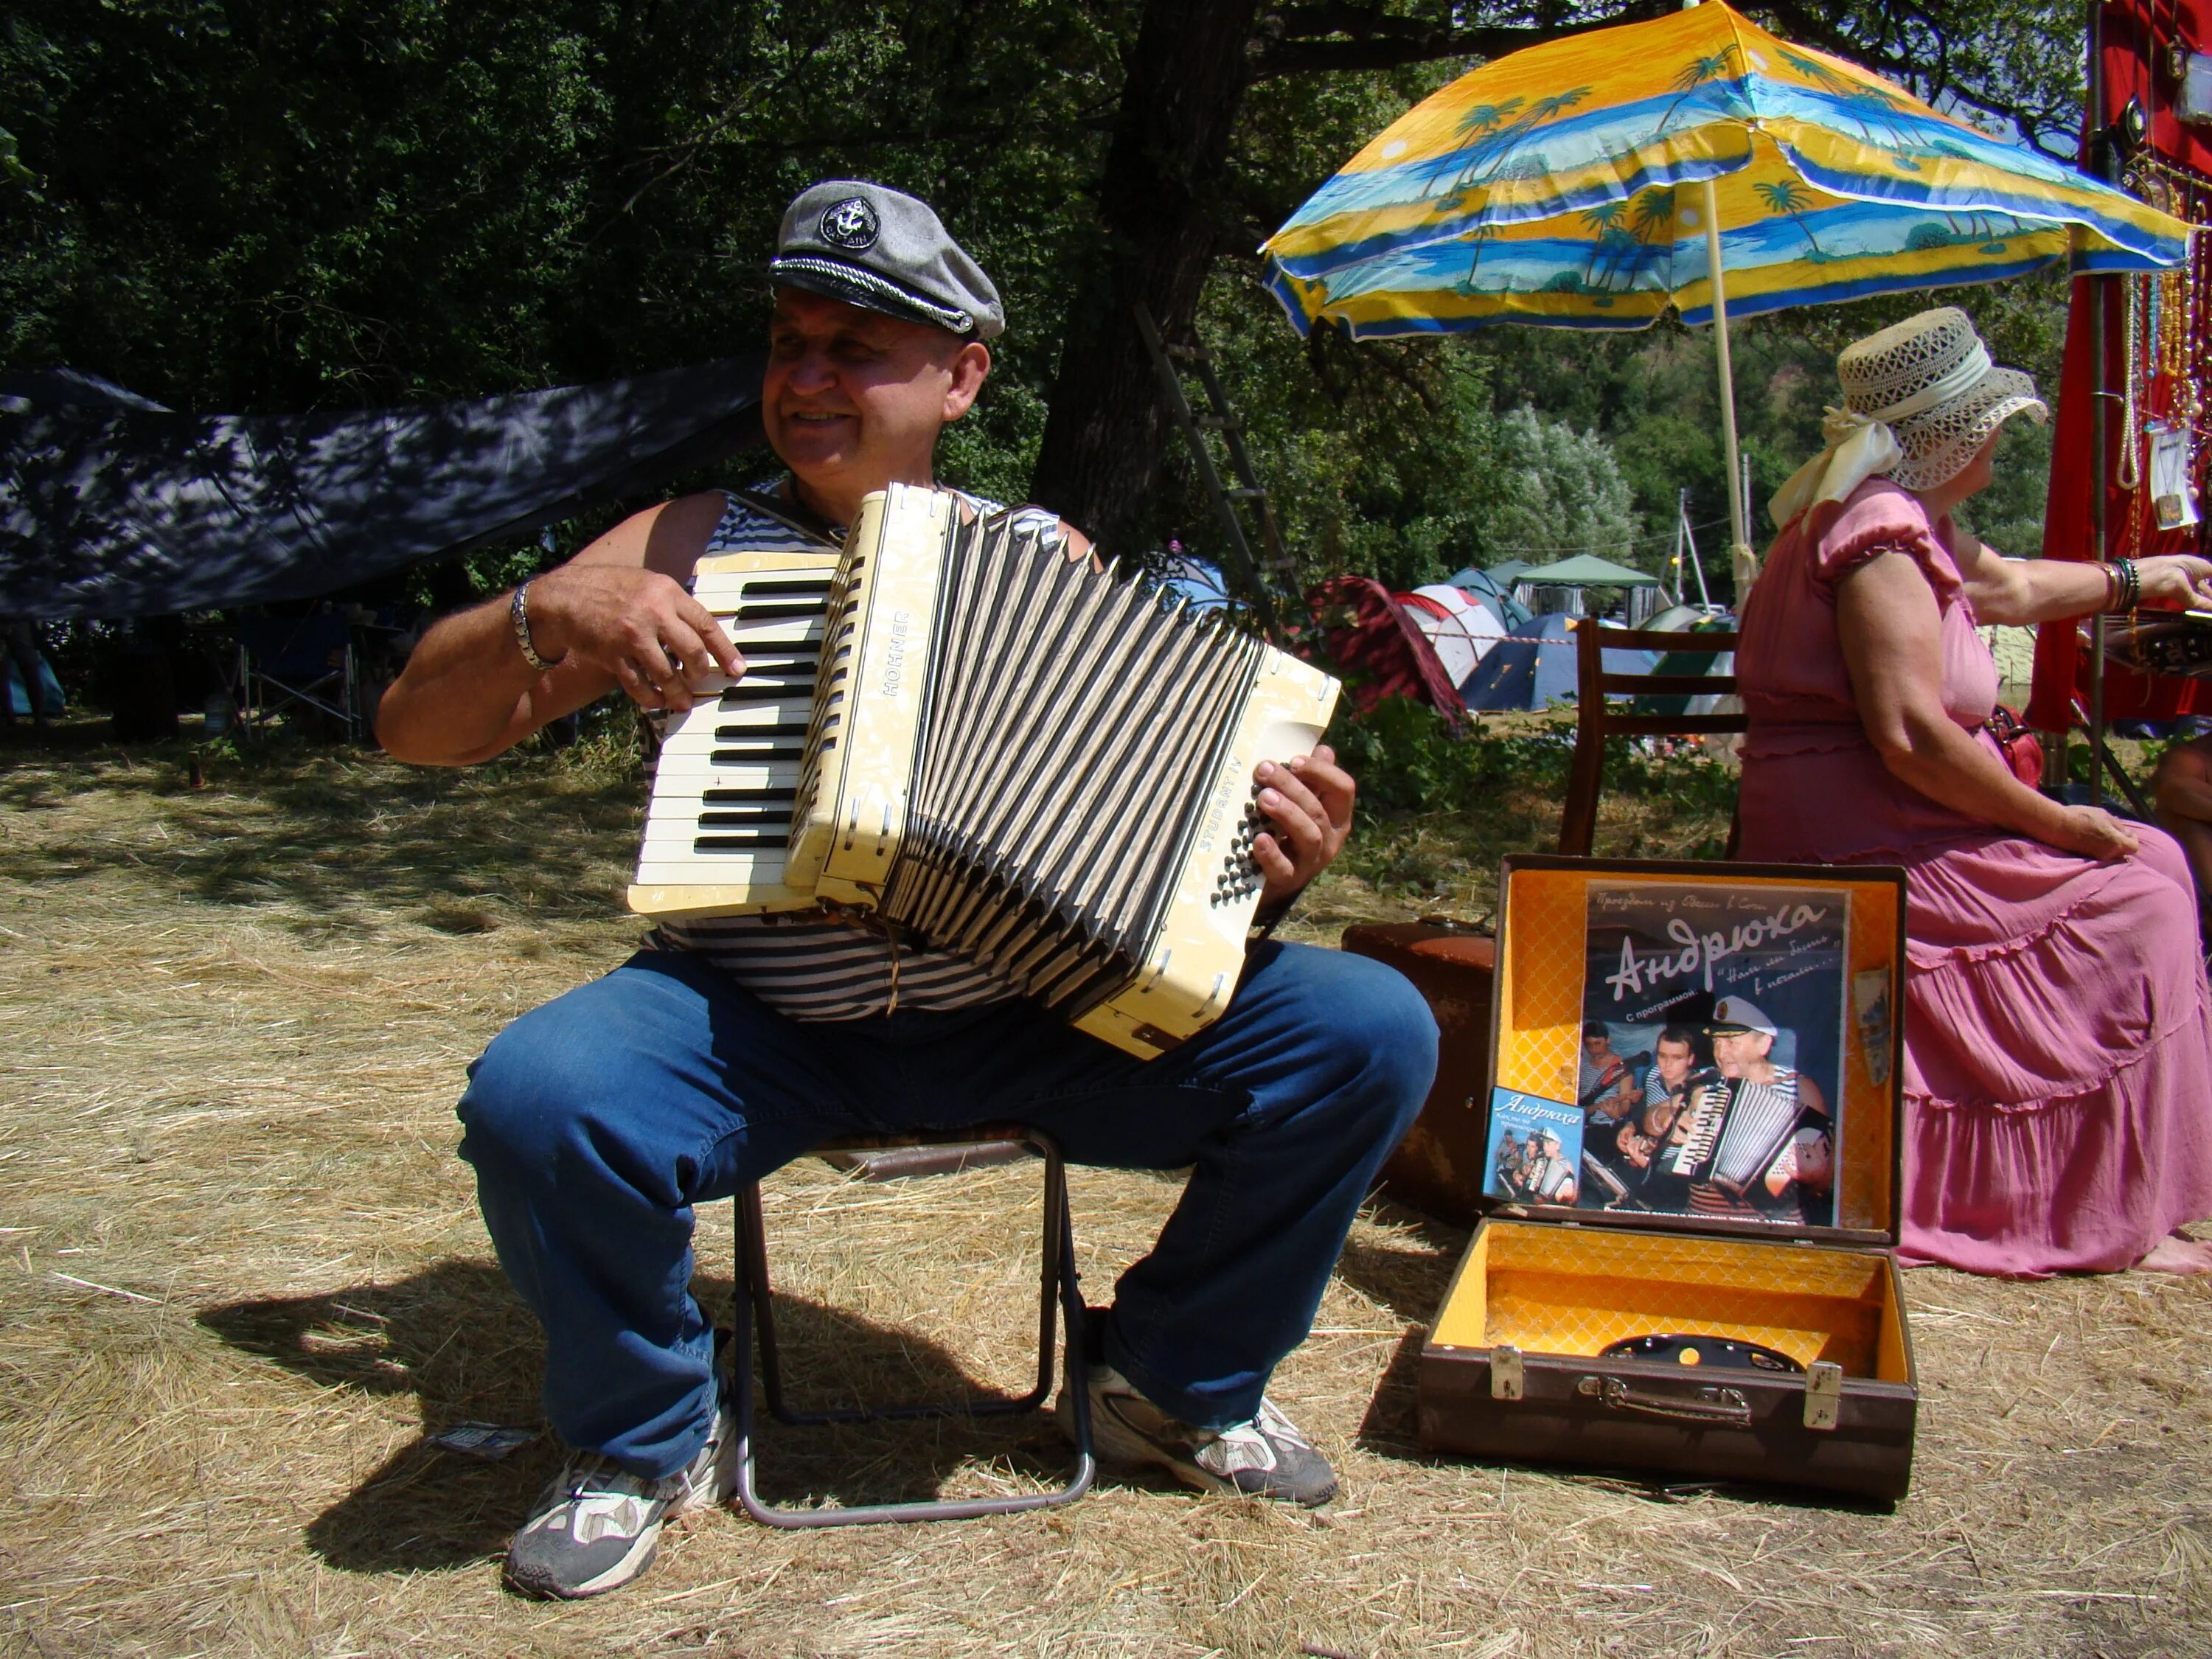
(294, 664)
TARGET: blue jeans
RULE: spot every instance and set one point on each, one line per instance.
(598, 1122)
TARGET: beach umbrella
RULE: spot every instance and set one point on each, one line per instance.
(1694, 162)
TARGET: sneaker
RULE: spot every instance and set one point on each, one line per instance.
(1264, 1456)
(596, 1527)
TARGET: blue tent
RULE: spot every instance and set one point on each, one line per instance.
(1196, 581)
(1533, 667)
(50, 690)
(1478, 585)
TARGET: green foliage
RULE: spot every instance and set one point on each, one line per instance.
(1555, 492)
(255, 206)
(1437, 807)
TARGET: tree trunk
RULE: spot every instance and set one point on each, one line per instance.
(1162, 210)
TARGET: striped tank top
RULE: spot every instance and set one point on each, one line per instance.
(806, 964)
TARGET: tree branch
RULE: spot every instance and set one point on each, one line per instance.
(1913, 43)
(1914, 46)
(1337, 35)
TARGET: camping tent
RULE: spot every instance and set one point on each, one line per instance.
(1196, 582)
(1499, 601)
(1456, 625)
(1560, 586)
(53, 698)
(1583, 570)
(1533, 667)
(1505, 574)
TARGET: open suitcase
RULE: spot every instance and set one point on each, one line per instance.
(1702, 1286)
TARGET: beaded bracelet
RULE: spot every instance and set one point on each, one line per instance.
(518, 610)
(2127, 584)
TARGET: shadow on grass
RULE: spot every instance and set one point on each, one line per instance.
(456, 1335)
(327, 833)
(1409, 1281)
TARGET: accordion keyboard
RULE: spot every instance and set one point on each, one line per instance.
(729, 766)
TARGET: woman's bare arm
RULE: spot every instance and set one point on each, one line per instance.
(2023, 591)
(616, 614)
(1891, 630)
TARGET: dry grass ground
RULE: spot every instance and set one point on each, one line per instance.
(241, 1274)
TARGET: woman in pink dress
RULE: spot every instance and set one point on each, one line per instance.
(2057, 1032)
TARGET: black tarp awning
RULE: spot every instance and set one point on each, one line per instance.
(113, 506)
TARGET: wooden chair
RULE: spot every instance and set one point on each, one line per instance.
(1596, 719)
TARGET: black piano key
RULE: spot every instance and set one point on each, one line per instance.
(761, 688)
(774, 610)
(816, 585)
(738, 843)
(746, 797)
(740, 820)
(758, 733)
(744, 754)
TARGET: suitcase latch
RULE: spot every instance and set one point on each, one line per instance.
(1506, 1380)
(1824, 1394)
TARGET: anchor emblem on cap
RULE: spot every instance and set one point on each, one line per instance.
(850, 224)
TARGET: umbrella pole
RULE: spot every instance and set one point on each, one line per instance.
(1742, 561)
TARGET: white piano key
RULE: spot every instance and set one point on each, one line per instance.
(663, 841)
(779, 631)
(701, 721)
(736, 869)
(766, 584)
(690, 782)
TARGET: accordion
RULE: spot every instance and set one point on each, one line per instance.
(955, 728)
(1741, 1129)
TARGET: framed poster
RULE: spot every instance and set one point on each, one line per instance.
(1708, 1079)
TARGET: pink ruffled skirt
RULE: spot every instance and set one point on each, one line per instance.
(2057, 1035)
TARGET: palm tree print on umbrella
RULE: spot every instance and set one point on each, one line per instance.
(1880, 119)
(1497, 128)
(1604, 219)
(1788, 195)
(1478, 239)
(1703, 71)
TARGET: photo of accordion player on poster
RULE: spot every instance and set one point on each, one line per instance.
(1714, 1018)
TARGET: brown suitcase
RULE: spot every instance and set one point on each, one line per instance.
(1514, 1366)
(1438, 1167)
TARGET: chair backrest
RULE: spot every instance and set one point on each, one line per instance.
(1596, 719)
(294, 648)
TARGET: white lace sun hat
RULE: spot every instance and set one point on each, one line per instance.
(1920, 399)
(1925, 354)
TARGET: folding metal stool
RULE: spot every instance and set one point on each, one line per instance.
(1057, 1284)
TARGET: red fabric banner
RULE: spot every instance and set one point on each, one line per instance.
(2136, 61)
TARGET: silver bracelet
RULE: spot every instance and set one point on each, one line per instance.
(518, 610)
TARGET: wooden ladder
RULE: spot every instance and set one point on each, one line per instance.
(1169, 363)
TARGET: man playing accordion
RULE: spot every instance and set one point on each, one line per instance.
(727, 1048)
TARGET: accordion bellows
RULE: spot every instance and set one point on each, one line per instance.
(1008, 753)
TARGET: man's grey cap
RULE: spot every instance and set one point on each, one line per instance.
(876, 248)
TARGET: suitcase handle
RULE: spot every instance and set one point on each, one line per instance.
(1709, 1404)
